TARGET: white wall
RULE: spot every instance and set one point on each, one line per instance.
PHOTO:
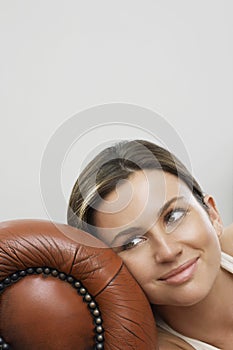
(61, 57)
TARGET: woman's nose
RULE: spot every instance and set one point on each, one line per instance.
(165, 248)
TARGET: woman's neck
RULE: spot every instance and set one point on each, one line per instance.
(210, 320)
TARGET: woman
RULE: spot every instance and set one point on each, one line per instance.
(143, 202)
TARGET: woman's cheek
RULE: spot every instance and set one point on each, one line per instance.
(140, 266)
(200, 235)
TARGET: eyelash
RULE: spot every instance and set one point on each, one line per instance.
(168, 216)
(166, 219)
(126, 245)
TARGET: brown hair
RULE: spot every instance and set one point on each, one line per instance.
(115, 163)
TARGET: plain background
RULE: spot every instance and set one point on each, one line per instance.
(61, 57)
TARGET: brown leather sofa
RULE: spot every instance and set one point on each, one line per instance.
(61, 288)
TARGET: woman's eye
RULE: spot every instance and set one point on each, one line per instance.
(174, 216)
(133, 243)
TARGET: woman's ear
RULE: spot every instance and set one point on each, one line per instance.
(214, 214)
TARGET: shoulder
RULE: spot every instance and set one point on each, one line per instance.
(226, 240)
(168, 341)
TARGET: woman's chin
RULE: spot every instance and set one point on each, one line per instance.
(183, 298)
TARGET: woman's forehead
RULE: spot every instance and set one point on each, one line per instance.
(144, 191)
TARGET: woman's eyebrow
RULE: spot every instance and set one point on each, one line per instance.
(136, 230)
(126, 232)
(168, 203)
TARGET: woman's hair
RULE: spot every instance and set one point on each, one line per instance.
(116, 163)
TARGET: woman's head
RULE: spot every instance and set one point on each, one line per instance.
(116, 163)
(161, 222)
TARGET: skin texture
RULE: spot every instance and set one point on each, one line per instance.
(181, 234)
(226, 240)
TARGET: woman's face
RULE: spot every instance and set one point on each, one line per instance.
(163, 234)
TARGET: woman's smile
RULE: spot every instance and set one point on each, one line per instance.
(181, 274)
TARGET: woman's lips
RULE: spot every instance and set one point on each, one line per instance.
(181, 274)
